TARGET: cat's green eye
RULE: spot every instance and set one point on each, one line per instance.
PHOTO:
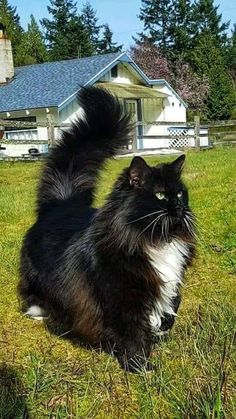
(160, 195)
(180, 194)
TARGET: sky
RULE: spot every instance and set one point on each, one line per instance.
(121, 15)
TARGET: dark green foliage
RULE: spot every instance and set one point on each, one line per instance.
(100, 35)
(167, 24)
(27, 47)
(205, 18)
(65, 34)
(231, 52)
(231, 64)
(157, 19)
(32, 49)
(11, 20)
(89, 20)
(106, 44)
(207, 59)
(180, 29)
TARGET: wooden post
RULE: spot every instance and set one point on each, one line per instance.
(50, 130)
(1, 132)
(135, 139)
(197, 132)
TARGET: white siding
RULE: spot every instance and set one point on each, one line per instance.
(173, 109)
(69, 112)
(124, 75)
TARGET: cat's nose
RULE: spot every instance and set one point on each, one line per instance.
(179, 210)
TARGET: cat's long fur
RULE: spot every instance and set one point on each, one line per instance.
(112, 274)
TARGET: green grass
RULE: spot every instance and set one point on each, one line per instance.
(45, 376)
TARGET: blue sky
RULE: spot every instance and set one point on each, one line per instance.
(121, 15)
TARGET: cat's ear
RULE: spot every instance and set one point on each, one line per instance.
(138, 171)
(177, 165)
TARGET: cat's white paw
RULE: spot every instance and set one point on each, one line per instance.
(162, 333)
(36, 313)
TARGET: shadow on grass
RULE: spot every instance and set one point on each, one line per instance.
(106, 347)
(62, 332)
(12, 396)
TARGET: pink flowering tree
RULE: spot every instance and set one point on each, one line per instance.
(192, 88)
(151, 61)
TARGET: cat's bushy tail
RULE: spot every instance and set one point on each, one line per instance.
(73, 164)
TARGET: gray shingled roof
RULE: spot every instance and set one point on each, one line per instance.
(49, 84)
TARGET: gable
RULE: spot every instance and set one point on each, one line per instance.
(124, 74)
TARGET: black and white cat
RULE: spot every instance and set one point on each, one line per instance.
(113, 274)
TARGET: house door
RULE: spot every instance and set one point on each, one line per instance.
(132, 108)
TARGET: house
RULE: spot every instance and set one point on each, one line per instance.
(35, 98)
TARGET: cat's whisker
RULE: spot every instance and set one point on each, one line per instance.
(168, 224)
(166, 228)
(152, 232)
(199, 226)
(190, 227)
(192, 220)
(163, 230)
(154, 225)
(164, 222)
(191, 217)
(149, 225)
(145, 216)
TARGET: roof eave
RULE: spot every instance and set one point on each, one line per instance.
(163, 81)
(30, 108)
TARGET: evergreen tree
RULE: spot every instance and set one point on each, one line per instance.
(11, 20)
(208, 60)
(206, 19)
(180, 29)
(157, 16)
(89, 21)
(32, 48)
(231, 56)
(65, 34)
(106, 44)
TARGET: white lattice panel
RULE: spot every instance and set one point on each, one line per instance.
(178, 138)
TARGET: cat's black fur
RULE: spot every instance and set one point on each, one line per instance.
(90, 268)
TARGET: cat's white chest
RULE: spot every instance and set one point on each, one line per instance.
(168, 262)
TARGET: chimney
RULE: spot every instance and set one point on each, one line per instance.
(6, 58)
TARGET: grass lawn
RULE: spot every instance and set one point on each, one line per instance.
(45, 376)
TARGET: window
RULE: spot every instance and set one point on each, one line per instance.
(22, 119)
(114, 71)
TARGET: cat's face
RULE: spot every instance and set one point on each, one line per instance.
(159, 203)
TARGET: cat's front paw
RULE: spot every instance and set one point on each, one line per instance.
(137, 365)
(160, 335)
